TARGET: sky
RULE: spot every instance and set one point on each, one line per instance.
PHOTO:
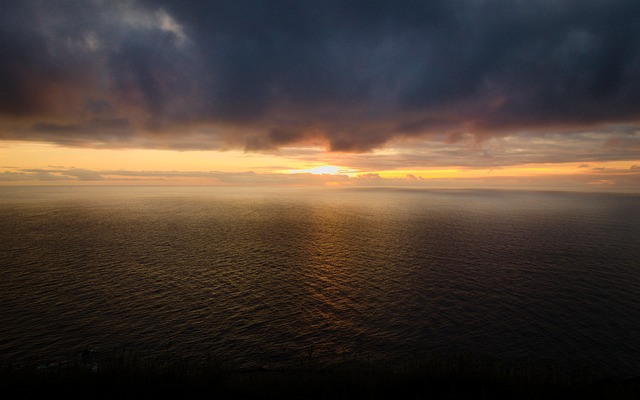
(442, 93)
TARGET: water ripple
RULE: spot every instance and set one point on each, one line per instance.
(275, 278)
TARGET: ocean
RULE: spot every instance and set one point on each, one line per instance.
(271, 277)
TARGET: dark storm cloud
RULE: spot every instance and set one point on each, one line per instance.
(349, 74)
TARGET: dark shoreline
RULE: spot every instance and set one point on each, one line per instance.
(96, 375)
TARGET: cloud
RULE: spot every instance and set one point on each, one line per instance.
(53, 174)
(602, 182)
(492, 152)
(350, 76)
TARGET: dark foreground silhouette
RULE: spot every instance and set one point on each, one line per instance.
(116, 375)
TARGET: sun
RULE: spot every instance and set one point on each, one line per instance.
(319, 170)
(324, 170)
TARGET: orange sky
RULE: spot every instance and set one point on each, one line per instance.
(424, 94)
(41, 163)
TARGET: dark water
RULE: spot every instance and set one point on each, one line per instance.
(270, 277)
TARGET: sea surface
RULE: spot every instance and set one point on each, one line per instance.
(272, 277)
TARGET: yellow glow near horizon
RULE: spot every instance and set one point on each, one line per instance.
(44, 155)
(524, 170)
(36, 161)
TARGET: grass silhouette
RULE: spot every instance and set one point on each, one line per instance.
(125, 374)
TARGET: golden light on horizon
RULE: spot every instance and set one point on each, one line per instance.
(323, 170)
(45, 163)
(19, 154)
